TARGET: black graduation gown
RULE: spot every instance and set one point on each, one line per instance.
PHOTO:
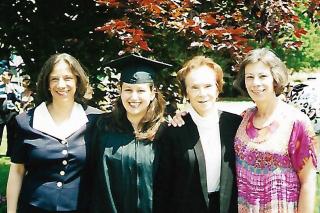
(123, 172)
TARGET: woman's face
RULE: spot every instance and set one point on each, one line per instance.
(259, 82)
(136, 99)
(62, 83)
(25, 83)
(201, 88)
(6, 77)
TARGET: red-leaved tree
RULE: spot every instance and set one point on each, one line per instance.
(174, 30)
(219, 25)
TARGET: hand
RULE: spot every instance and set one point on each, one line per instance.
(177, 120)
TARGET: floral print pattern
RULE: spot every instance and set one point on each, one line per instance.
(268, 160)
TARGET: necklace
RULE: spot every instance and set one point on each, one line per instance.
(260, 135)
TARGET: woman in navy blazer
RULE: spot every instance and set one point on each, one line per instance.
(196, 172)
(49, 170)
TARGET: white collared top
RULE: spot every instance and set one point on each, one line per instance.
(43, 121)
(208, 128)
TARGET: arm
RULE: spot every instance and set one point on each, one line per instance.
(307, 195)
(303, 157)
(317, 148)
(16, 174)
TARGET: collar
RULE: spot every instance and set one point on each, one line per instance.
(43, 121)
(208, 121)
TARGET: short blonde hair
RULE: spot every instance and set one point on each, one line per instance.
(278, 69)
(197, 62)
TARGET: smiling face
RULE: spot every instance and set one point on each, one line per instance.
(62, 83)
(6, 77)
(25, 83)
(259, 82)
(136, 99)
(201, 89)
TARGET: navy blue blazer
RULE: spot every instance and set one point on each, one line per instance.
(180, 184)
(56, 170)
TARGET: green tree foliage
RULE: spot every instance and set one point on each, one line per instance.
(37, 29)
(307, 55)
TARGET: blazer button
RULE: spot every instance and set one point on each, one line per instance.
(64, 142)
(59, 184)
(64, 162)
(62, 173)
(64, 152)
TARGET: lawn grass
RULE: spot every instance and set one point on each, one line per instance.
(238, 99)
(4, 171)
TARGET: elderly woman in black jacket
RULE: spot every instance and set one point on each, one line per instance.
(197, 161)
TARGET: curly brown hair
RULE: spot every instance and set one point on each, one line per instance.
(43, 94)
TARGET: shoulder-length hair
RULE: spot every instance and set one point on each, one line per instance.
(278, 69)
(196, 62)
(43, 93)
(149, 124)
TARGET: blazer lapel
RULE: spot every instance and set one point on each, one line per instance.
(202, 170)
(197, 152)
(226, 177)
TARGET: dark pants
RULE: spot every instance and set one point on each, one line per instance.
(214, 202)
(33, 209)
(1, 132)
(10, 135)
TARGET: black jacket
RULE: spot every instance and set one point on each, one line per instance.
(180, 181)
(56, 172)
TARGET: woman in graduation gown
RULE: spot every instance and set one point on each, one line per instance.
(125, 140)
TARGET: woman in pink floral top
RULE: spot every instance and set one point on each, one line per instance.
(274, 145)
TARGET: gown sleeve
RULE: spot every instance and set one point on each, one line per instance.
(302, 143)
(164, 174)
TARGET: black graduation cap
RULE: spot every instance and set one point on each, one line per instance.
(136, 69)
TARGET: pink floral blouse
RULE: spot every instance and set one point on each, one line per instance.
(268, 160)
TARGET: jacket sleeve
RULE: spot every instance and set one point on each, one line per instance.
(18, 152)
(93, 160)
(164, 180)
